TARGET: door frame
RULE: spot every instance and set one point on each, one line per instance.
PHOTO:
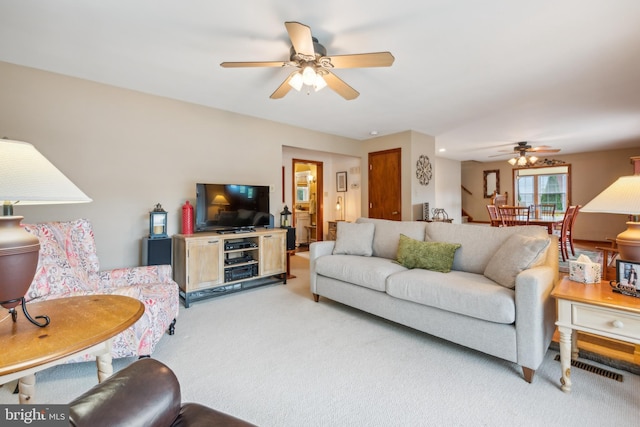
(319, 190)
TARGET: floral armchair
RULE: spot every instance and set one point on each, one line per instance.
(69, 266)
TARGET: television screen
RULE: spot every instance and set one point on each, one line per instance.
(227, 206)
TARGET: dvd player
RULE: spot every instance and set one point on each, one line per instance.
(241, 272)
(238, 260)
(239, 244)
(236, 230)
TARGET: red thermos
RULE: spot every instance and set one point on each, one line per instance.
(187, 218)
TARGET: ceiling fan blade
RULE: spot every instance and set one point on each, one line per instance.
(301, 40)
(283, 89)
(340, 87)
(361, 60)
(254, 64)
(542, 150)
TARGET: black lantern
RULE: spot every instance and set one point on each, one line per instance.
(158, 223)
(284, 217)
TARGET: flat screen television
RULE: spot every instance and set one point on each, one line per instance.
(231, 206)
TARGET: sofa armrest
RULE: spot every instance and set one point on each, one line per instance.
(316, 250)
(535, 309)
(120, 277)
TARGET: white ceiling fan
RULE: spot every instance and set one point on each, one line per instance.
(313, 67)
(522, 150)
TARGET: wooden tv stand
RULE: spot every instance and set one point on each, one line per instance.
(210, 264)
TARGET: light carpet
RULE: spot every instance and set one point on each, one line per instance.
(274, 357)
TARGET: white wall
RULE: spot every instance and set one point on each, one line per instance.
(331, 164)
(447, 187)
(422, 144)
(128, 151)
(413, 144)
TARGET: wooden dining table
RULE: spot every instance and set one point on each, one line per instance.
(548, 221)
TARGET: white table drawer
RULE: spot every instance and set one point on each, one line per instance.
(601, 319)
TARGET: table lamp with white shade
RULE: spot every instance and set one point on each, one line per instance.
(622, 197)
(26, 178)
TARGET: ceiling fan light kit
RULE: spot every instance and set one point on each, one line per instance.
(314, 66)
(309, 77)
(522, 157)
(522, 160)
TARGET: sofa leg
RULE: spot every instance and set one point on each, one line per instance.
(316, 297)
(172, 327)
(528, 374)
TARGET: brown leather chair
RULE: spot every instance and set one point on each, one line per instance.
(146, 394)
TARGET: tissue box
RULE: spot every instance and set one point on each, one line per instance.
(584, 272)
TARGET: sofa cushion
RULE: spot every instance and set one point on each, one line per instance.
(516, 254)
(436, 256)
(368, 272)
(479, 242)
(387, 235)
(459, 292)
(353, 239)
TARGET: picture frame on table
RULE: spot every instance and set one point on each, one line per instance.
(627, 278)
(341, 182)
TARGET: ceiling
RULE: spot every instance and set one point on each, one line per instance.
(479, 76)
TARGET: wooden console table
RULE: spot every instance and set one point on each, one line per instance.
(79, 325)
(595, 309)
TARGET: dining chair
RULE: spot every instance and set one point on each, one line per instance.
(542, 211)
(494, 216)
(514, 215)
(573, 222)
(609, 256)
(565, 236)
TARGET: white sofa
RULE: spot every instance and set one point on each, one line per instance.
(512, 320)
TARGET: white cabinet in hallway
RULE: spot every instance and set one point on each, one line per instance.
(303, 221)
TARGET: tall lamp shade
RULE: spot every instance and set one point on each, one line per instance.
(26, 178)
(622, 197)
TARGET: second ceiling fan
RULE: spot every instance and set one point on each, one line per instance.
(313, 66)
(522, 149)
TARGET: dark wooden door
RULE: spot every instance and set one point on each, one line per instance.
(385, 201)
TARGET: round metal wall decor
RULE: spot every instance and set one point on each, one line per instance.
(423, 170)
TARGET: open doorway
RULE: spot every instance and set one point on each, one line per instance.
(307, 199)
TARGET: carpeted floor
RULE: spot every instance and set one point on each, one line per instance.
(274, 357)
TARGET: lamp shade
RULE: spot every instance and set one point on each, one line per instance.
(621, 197)
(220, 200)
(28, 178)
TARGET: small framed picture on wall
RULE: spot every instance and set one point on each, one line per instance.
(341, 182)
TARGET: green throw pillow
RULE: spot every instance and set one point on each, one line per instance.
(436, 256)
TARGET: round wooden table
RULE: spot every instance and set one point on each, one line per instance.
(79, 325)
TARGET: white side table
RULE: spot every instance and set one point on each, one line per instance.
(595, 309)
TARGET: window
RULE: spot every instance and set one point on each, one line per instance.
(546, 185)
